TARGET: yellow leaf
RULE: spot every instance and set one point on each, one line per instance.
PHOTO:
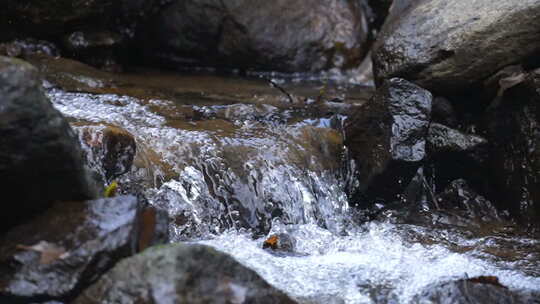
(111, 189)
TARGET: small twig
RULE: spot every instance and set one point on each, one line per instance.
(275, 85)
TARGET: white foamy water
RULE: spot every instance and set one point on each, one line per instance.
(335, 264)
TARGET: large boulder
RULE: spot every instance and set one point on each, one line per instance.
(40, 160)
(181, 274)
(448, 46)
(280, 35)
(66, 248)
(513, 127)
(387, 138)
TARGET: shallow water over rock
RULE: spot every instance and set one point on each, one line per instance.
(229, 173)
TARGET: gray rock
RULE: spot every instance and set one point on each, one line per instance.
(83, 240)
(26, 47)
(181, 274)
(448, 46)
(462, 201)
(280, 35)
(456, 155)
(473, 291)
(442, 139)
(386, 137)
(513, 128)
(40, 160)
(109, 148)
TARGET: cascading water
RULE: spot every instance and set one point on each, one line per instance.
(242, 171)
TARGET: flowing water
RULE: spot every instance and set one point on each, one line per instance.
(231, 169)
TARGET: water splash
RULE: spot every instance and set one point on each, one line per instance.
(247, 168)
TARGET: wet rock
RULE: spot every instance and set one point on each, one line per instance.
(457, 206)
(112, 24)
(280, 242)
(514, 132)
(387, 138)
(460, 199)
(475, 290)
(109, 147)
(454, 155)
(442, 139)
(41, 160)
(87, 40)
(504, 79)
(443, 112)
(89, 238)
(97, 48)
(288, 36)
(181, 273)
(26, 47)
(441, 45)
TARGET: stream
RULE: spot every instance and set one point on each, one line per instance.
(233, 160)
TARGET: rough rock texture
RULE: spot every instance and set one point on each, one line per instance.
(481, 290)
(109, 148)
(88, 237)
(26, 47)
(40, 160)
(181, 274)
(455, 155)
(281, 35)
(386, 137)
(442, 139)
(514, 131)
(464, 202)
(446, 46)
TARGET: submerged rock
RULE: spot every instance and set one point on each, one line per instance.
(66, 248)
(387, 138)
(280, 242)
(478, 290)
(446, 46)
(181, 274)
(513, 127)
(40, 160)
(281, 35)
(109, 147)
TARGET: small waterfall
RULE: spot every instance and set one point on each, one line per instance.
(234, 173)
(231, 173)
